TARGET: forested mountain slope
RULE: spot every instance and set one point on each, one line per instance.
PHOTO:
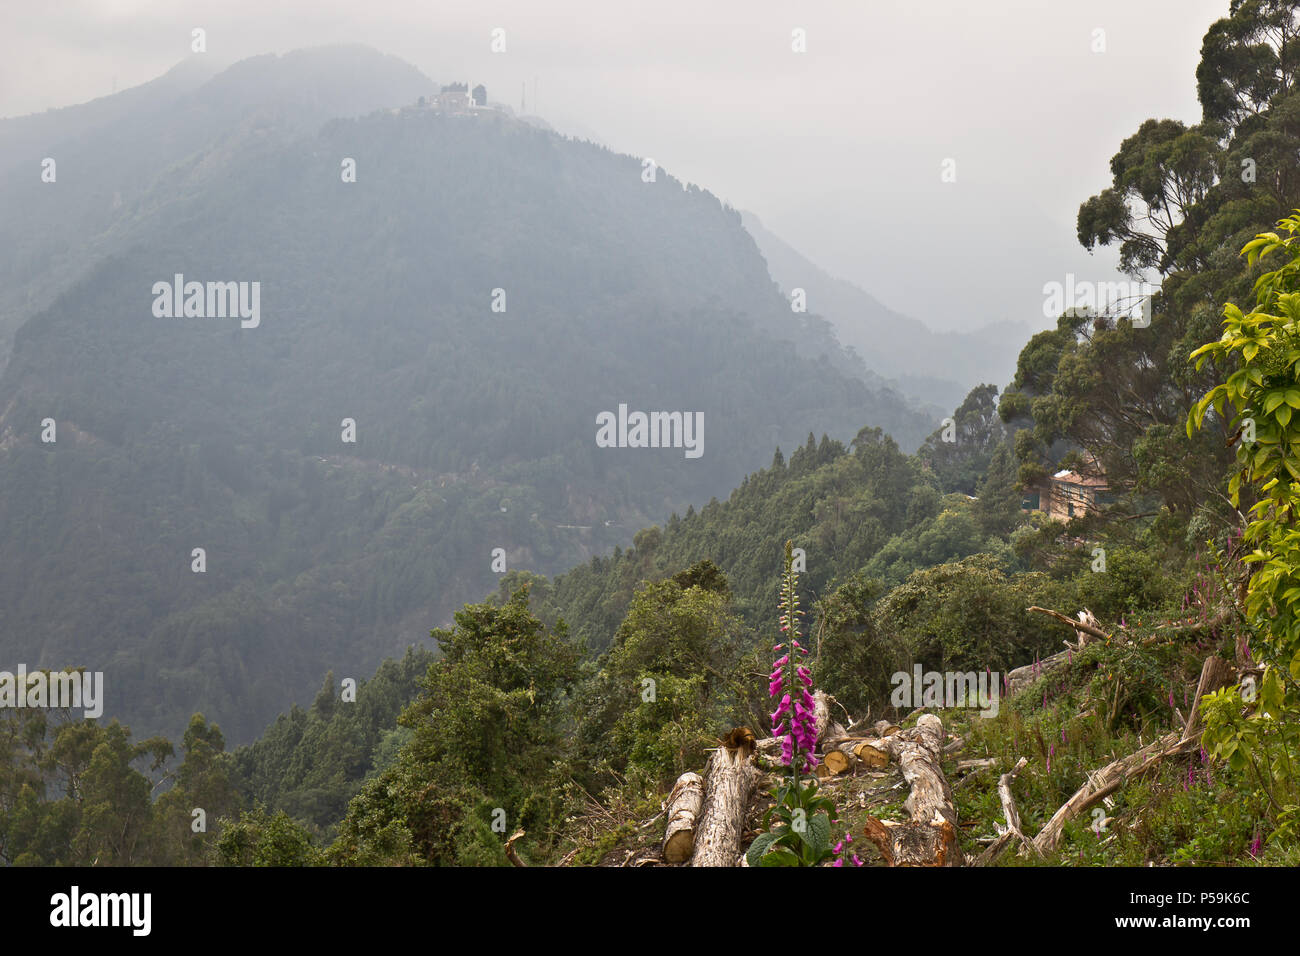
(475, 426)
(109, 155)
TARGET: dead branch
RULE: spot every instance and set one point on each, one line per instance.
(1073, 622)
(1012, 815)
(511, 855)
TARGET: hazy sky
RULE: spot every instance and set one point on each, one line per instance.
(838, 150)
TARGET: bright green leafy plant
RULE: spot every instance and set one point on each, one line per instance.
(1263, 396)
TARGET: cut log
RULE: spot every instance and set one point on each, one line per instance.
(731, 779)
(914, 844)
(838, 762)
(917, 753)
(683, 808)
(868, 750)
(1215, 674)
(871, 754)
(1021, 677)
(848, 742)
(930, 838)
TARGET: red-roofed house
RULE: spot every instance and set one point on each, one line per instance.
(1069, 494)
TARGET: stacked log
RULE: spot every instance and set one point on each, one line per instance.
(706, 822)
(846, 752)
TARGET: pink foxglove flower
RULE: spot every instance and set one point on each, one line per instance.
(795, 718)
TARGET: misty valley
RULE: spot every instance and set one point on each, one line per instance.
(429, 565)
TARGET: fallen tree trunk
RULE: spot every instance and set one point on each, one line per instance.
(683, 808)
(1021, 677)
(1102, 784)
(871, 753)
(1215, 673)
(930, 838)
(1219, 619)
(731, 779)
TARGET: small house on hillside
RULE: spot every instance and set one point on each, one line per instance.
(1069, 494)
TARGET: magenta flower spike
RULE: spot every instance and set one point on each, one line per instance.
(794, 681)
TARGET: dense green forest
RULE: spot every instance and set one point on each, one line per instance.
(530, 711)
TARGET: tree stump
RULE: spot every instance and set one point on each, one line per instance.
(731, 779)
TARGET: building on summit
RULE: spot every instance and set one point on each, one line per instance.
(453, 98)
(458, 99)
